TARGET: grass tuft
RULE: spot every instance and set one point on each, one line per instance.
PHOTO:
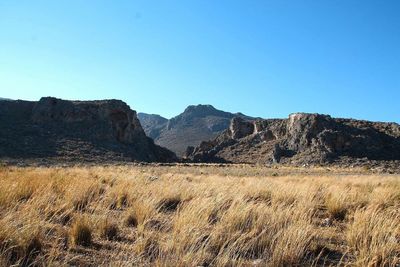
(108, 230)
(336, 207)
(81, 232)
(169, 204)
(131, 219)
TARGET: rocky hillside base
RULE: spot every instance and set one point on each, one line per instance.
(78, 131)
(303, 139)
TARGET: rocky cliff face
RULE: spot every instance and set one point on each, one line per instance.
(75, 130)
(195, 124)
(122, 121)
(302, 138)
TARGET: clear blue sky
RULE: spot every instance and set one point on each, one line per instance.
(263, 58)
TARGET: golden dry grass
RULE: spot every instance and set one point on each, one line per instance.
(198, 216)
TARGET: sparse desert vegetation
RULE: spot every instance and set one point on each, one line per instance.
(199, 215)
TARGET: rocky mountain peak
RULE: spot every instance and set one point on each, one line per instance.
(200, 110)
(197, 123)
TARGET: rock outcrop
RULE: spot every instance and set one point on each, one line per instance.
(240, 128)
(196, 124)
(302, 138)
(106, 130)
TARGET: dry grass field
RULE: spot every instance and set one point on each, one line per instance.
(198, 216)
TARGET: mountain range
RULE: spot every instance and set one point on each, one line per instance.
(110, 131)
(195, 124)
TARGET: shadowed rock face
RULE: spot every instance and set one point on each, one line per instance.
(302, 138)
(75, 130)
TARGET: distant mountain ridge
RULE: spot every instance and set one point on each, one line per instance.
(196, 124)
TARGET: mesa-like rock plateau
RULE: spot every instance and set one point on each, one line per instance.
(78, 131)
(303, 139)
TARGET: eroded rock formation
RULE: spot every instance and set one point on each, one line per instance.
(302, 138)
(75, 130)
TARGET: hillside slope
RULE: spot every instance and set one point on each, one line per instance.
(196, 124)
